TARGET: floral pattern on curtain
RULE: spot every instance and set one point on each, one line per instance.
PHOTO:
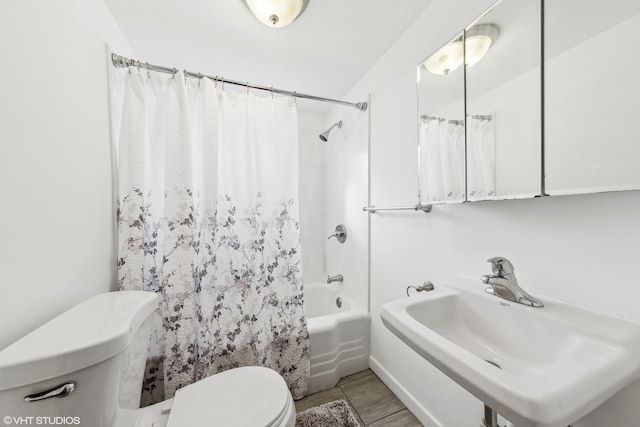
(208, 218)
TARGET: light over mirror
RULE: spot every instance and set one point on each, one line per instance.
(592, 90)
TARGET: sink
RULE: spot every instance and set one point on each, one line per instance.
(545, 366)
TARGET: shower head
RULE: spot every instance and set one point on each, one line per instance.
(325, 135)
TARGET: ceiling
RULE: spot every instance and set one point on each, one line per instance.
(323, 53)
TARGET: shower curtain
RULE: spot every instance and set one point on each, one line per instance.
(208, 219)
(481, 147)
(442, 154)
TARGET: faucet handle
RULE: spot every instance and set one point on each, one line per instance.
(340, 234)
(501, 266)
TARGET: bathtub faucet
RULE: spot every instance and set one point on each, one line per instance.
(336, 278)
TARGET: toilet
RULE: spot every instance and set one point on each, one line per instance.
(86, 366)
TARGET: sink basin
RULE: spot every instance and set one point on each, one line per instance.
(545, 366)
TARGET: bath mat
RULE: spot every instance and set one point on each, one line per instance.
(332, 414)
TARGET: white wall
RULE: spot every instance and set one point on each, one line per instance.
(57, 219)
(346, 193)
(333, 190)
(312, 206)
(580, 249)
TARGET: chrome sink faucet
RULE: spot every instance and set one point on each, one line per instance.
(503, 283)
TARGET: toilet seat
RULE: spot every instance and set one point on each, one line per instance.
(251, 396)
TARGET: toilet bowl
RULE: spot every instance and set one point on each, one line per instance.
(249, 396)
(86, 366)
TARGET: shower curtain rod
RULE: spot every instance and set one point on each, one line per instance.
(122, 62)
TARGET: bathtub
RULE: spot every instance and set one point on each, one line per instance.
(339, 336)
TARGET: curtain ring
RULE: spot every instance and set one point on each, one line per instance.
(295, 101)
(185, 76)
(148, 73)
(247, 85)
(199, 79)
(271, 92)
(138, 65)
(174, 73)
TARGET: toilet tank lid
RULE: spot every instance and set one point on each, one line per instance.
(82, 336)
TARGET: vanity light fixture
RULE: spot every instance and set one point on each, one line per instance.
(477, 41)
(277, 13)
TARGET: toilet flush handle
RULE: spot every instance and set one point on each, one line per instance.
(63, 390)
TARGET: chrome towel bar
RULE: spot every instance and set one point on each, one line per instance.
(419, 207)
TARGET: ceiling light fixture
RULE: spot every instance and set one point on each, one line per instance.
(478, 39)
(447, 59)
(277, 13)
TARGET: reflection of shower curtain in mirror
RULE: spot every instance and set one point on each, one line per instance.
(481, 157)
(442, 157)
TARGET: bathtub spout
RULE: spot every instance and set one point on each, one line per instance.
(336, 278)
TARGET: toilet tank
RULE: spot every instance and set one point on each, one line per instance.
(97, 349)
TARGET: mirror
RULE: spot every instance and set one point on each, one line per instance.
(591, 96)
(441, 137)
(503, 87)
(488, 147)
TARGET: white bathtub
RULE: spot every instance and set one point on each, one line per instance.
(339, 337)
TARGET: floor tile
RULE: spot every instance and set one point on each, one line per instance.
(402, 418)
(371, 399)
(355, 376)
(360, 422)
(319, 398)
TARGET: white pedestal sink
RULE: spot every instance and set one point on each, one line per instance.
(557, 363)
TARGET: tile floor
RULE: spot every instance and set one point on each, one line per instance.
(371, 401)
